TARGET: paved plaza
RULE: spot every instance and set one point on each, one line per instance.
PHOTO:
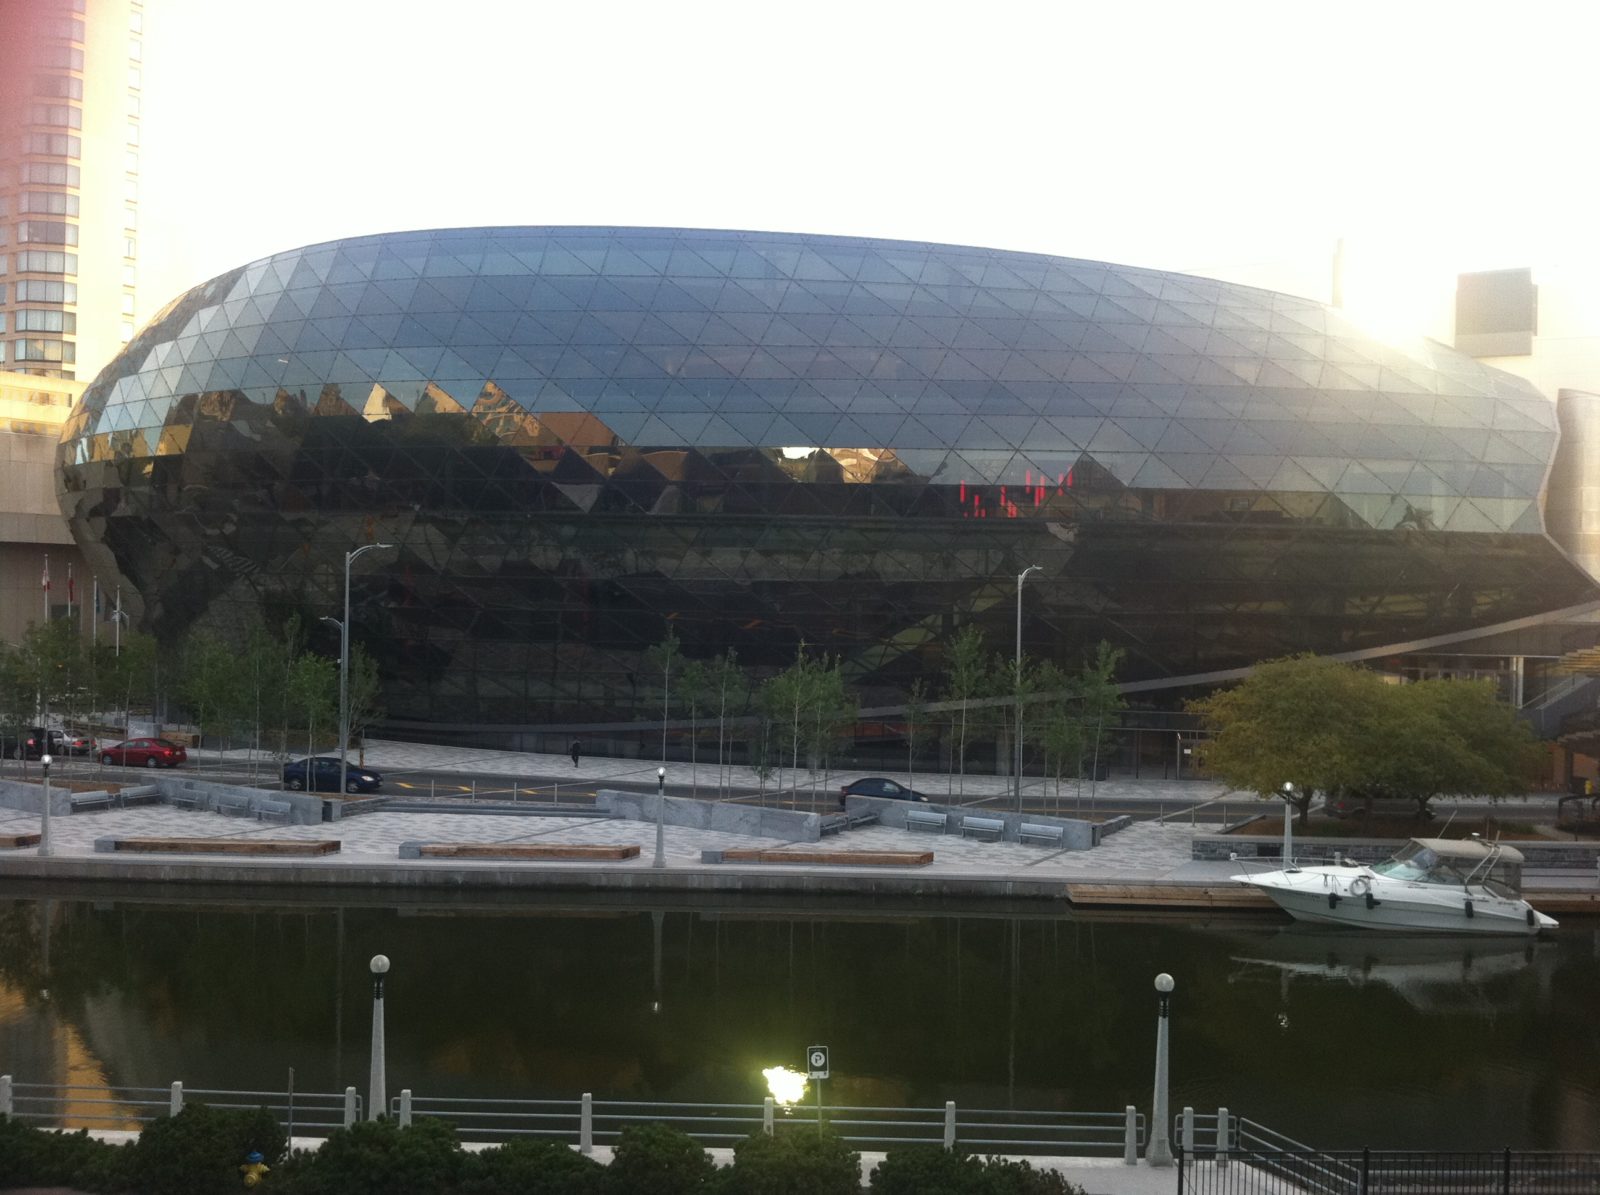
(1145, 851)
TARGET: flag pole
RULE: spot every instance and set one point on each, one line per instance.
(94, 620)
(45, 585)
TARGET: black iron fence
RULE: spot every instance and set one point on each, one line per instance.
(1250, 1171)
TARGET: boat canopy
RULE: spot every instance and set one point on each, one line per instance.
(1470, 848)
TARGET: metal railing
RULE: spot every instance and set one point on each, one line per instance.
(1252, 1171)
(85, 1107)
(588, 1122)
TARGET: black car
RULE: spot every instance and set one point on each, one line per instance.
(320, 774)
(34, 742)
(879, 786)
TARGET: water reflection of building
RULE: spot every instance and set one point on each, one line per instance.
(582, 438)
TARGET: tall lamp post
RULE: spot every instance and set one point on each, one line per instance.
(1016, 779)
(1159, 1152)
(377, 1083)
(44, 823)
(661, 805)
(344, 663)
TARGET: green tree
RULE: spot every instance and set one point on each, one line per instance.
(364, 696)
(964, 682)
(916, 712)
(694, 686)
(1304, 721)
(1100, 705)
(729, 682)
(211, 683)
(1448, 737)
(312, 692)
(665, 656)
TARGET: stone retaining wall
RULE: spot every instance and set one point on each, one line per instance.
(789, 825)
(1218, 848)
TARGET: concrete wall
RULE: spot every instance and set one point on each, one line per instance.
(1079, 836)
(1213, 848)
(29, 798)
(306, 808)
(786, 824)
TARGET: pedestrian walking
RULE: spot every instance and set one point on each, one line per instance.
(576, 747)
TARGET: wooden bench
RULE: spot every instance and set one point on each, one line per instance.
(524, 850)
(921, 819)
(11, 842)
(1036, 832)
(93, 801)
(829, 858)
(274, 811)
(223, 846)
(987, 828)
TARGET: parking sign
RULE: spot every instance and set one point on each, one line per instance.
(816, 1062)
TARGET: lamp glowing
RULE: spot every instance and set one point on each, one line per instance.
(787, 1086)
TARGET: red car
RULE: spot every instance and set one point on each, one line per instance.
(151, 753)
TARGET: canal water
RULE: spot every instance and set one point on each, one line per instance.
(1336, 1040)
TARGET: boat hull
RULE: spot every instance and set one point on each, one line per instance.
(1334, 898)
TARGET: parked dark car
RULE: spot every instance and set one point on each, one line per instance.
(879, 786)
(33, 743)
(144, 753)
(324, 776)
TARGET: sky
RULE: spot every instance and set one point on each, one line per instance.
(1236, 140)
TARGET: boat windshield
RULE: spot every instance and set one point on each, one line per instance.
(1418, 864)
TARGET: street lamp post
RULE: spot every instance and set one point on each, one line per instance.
(1159, 1152)
(344, 663)
(1016, 779)
(44, 823)
(377, 1084)
(661, 805)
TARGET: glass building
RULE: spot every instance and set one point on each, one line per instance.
(580, 438)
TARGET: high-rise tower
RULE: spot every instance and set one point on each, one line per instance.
(70, 91)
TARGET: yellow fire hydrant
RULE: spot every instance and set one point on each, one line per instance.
(254, 1169)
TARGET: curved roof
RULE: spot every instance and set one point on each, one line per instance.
(970, 365)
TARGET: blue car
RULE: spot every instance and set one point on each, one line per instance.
(320, 774)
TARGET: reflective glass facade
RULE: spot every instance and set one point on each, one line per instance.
(580, 437)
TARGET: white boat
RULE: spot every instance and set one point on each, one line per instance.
(1437, 885)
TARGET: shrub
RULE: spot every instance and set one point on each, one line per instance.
(199, 1151)
(800, 1161)
(526, 1167)
(928, 1170)
(932, 1170)
(43, 1157)
(657, 1159)
(378, 1157)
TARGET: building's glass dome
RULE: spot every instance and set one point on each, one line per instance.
(580, 437)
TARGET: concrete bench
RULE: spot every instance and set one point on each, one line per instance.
(233, 805)
(823, 858)
(218, 846)
(11, 842)
(274, 811)
(517, 850)
(840, 822)
(987, 828)
(921, 819)
(93, 801)
(1034, 832)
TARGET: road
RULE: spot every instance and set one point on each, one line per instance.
(556, 787)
